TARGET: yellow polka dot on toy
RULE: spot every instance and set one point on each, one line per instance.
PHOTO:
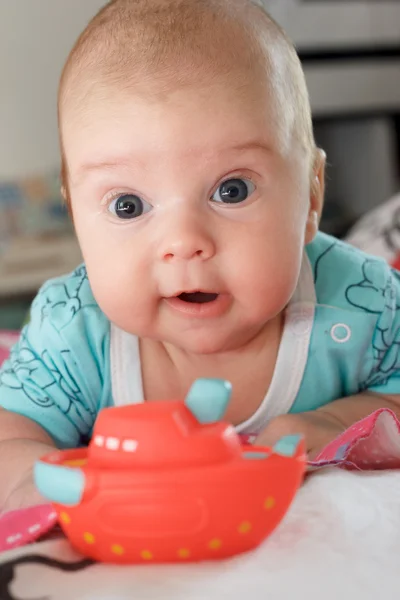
(244, 527)
(269, 503)
(215, 544)
(89, 538)
(65, 518)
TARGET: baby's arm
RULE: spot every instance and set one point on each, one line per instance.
(348, 411)
(22, 441)
(321, 426)
(53, 384)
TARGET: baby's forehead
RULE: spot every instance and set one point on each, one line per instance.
(109, 98)
(192, 123)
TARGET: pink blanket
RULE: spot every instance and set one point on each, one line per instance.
(7, 340)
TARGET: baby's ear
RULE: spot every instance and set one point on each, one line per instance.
(317, 193)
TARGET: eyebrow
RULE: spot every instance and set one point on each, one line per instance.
(252, 145)
(113, 164)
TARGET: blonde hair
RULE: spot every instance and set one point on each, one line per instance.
(159, 45)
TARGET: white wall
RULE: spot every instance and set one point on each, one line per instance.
(35, 38)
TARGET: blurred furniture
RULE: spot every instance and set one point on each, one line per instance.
(28, 263)
(351, 56)
(36, 242)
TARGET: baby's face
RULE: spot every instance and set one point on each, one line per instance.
(194, 193)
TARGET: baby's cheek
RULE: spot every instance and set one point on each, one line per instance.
(268, 272)
(124, 298)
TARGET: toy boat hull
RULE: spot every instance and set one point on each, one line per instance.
(179, 515)
(170, 482)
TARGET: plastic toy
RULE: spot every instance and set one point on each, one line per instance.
(170, 482)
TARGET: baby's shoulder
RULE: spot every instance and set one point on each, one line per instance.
(67, 302)
(349, 278)
(58, 372)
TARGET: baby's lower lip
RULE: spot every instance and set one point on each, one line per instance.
(202, 310)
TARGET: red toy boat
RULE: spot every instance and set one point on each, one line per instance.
(162, 482)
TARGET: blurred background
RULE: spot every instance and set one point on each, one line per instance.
(351, 55)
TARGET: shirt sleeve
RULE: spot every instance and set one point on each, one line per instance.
(57, 373)
(384, 299)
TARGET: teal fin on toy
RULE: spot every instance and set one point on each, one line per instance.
(208, 399)
(61, 485)
(287, 446)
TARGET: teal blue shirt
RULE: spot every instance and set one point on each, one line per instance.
(59, 373)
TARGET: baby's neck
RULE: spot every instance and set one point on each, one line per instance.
(249, 369)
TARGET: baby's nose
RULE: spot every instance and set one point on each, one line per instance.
(186, 247)
(186, 239)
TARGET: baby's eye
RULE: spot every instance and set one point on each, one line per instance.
(129, 206)
(234, 191)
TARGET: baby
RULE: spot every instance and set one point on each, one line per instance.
(192, 176)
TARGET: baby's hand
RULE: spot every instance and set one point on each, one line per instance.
(24, 495)
(317, 427)
(22, 442)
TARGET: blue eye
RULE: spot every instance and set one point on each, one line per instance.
(129, 206)
(234, 191)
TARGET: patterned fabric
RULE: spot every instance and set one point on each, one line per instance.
(371, 444)
(21, 527)
(58, 372)
(355, 340)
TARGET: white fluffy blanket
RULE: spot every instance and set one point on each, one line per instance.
(339, 541)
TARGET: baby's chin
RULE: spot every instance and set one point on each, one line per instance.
(205, 345)
(207, 341)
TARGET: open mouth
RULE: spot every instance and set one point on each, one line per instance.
(200, 304)
(197, 297)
